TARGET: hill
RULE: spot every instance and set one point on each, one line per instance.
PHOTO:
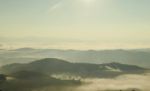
(53, 66)
(138, 57)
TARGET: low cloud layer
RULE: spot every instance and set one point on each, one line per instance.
(124, 83)
(120, 83)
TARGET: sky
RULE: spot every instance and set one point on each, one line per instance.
(75, 24)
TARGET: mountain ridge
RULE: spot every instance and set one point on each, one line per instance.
(57, 66)
(134, 57)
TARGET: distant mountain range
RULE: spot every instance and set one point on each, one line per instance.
(53, 66)
(140, 57)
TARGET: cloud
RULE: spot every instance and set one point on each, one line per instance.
(124, 82)
(121, 82)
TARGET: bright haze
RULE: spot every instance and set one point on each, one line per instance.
(75, 24)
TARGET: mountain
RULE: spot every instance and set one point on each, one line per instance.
(2, 78)
(53, 66)
(24, 49)
(142, 50)
(32, 77)
(138, 57)
(40, 78)
(33, 81)
(51, 74)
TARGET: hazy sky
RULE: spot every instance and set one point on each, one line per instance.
(75, 24)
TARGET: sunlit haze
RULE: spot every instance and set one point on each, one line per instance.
(75, 24)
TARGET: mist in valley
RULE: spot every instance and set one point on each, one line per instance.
(121, 83)
(124, 83)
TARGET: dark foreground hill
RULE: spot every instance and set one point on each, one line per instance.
(47, 74)
(34, 81)
(53, 66)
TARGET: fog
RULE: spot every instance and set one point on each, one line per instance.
(120, 83)
(124, 83)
